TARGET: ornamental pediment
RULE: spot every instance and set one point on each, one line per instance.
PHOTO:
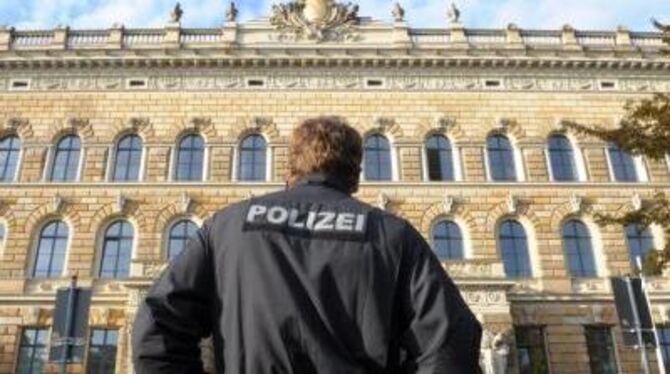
(318, 20)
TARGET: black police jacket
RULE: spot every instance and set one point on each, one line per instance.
(303, 281)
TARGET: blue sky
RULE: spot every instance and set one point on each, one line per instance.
(582, 14)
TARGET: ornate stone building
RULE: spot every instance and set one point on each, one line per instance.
(115, 143)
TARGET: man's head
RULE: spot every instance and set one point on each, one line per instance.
(326, 145)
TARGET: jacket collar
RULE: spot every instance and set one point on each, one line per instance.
(322, 179)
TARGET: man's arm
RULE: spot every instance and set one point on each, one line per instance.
(442, 335)
(177, 313)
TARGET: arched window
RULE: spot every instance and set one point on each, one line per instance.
(562, 157)
(65, 165)
(190, 158)
(3, 233)
(378, 159)
(10, 148)
(117, 248)
(448, 241)
(501, 158)
(51, 249)
(514, 249)
(128, 159)
(623, 164)
(579, 249)
(439, 157)
(179, 235)
(640, 241)
(252, 165)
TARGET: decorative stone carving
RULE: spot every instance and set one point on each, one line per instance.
(231, 12)
(448, 204)
(177, 13)
(485, 298)
(78, 124)
(185, 203)
(319, 20)
(139, 124)
(383, 201)
(153, 270)
(57, 203)
(398, 13)
(453, 15)
(636, 202)
(444, 123)
(495, 348)
(512, 203)
(120, 203)
(475, 269)
(576, 203)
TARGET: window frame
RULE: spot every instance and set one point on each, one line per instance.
(19, 158)
(175, 159)
(464, 239)
(611, 341)
(90, 345)
(457, 168)
(651, 237)
(577, 160)
(517, 160)
(20, 345)
(237, 159)
(529, 238)
(545, 345)
(592, 244)
(392, 159)
(663, 334)
(639, 166)
(103, 236)
(168, 234)
(53, 156)
(36, 247)
(113, 160)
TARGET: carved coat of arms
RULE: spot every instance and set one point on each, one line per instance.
(318, 20)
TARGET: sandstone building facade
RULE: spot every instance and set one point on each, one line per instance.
(115, 144)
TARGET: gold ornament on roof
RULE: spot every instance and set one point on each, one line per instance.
(318, 20)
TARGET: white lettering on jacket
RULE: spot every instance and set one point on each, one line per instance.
(308, 220)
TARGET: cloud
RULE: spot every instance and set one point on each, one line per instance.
(582, 14)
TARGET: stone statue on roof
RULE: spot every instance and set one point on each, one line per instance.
(177, 13)
(398, 13)
(231, 12)
(454, 14)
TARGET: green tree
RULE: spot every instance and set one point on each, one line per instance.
(644, 130)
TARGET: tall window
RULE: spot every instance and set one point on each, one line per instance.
(252, 164)
(514, 249)
(65, 165)
(3, 233)
(33, 352)
(623, 165)
(448, 241)
(602, 357)
(51, 249)
(562, 158)
(128, 159)
(579, 249)
(378, 159)
(664, 342)
(179, 235)
(102, 351)
(10, 148)
(439, 157)
(116, 250)
(190, 158)
(640, 241)
(501, 158)
(531, 350)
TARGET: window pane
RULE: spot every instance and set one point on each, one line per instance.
(377, 154)
(117, 250)
(623, 165)
(33, 351)
(50, 251)
(664, 342)
(180, 233)
(531, 350)
(440, 159)
(501, 159)
(578, 249)
(128, 159)
(10, 148)
(514, 250)
(601, 350)
(190, 159)
(640, 242)
(66, 160)
(2, 234)
(448, 241)
(562, 159)
(102, 351)
(253, 157)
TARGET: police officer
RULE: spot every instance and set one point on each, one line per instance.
(308, 280)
